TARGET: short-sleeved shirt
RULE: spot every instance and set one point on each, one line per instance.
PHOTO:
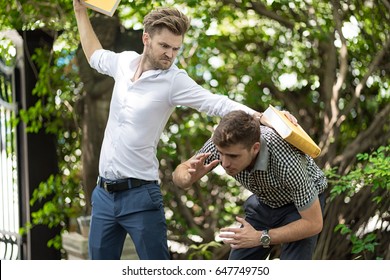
(282, 174)
(140, 110)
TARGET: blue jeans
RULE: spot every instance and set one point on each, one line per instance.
(261, 217)
(138, 212)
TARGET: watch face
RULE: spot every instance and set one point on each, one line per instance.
(265, 240)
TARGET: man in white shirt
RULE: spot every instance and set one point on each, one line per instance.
(147, 89)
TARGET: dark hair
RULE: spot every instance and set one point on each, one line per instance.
(170, 18)
(237, 127)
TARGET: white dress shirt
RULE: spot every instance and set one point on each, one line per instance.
(140, 110)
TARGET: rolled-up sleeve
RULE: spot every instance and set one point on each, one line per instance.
(108, 62)
(99, 61)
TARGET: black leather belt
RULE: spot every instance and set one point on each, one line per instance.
(122, 184)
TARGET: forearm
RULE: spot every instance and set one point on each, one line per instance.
(310, 224)
(89, 41)
(294, 231)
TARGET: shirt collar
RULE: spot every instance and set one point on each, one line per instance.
(262, 158)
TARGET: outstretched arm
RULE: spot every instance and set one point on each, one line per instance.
(88, 38)
(192, 170)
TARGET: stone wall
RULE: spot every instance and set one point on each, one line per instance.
(76, 247)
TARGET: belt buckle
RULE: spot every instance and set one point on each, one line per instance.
(105, 186)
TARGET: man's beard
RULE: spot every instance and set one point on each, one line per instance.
(157, 63)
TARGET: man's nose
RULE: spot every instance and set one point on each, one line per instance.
(169, 53)
(225, 163)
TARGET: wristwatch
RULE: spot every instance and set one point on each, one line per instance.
(265, 239)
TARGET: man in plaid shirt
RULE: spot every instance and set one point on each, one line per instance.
(287, 203)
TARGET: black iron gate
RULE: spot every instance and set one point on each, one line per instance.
(26, 160)
(10, 240)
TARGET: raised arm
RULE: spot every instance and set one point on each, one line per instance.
(88, 38)
(192, 170)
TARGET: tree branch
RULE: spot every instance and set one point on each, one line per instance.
(328, 54)
(343, 70)
(261, 9)
(373, 66)
(364, 140)
(184, 211)
(387, 4)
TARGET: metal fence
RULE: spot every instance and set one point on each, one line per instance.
(10, 240)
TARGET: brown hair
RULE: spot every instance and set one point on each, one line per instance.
(170, 18)
(237, 127)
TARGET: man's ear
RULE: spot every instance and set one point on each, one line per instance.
(145, 39)
(256, 147)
